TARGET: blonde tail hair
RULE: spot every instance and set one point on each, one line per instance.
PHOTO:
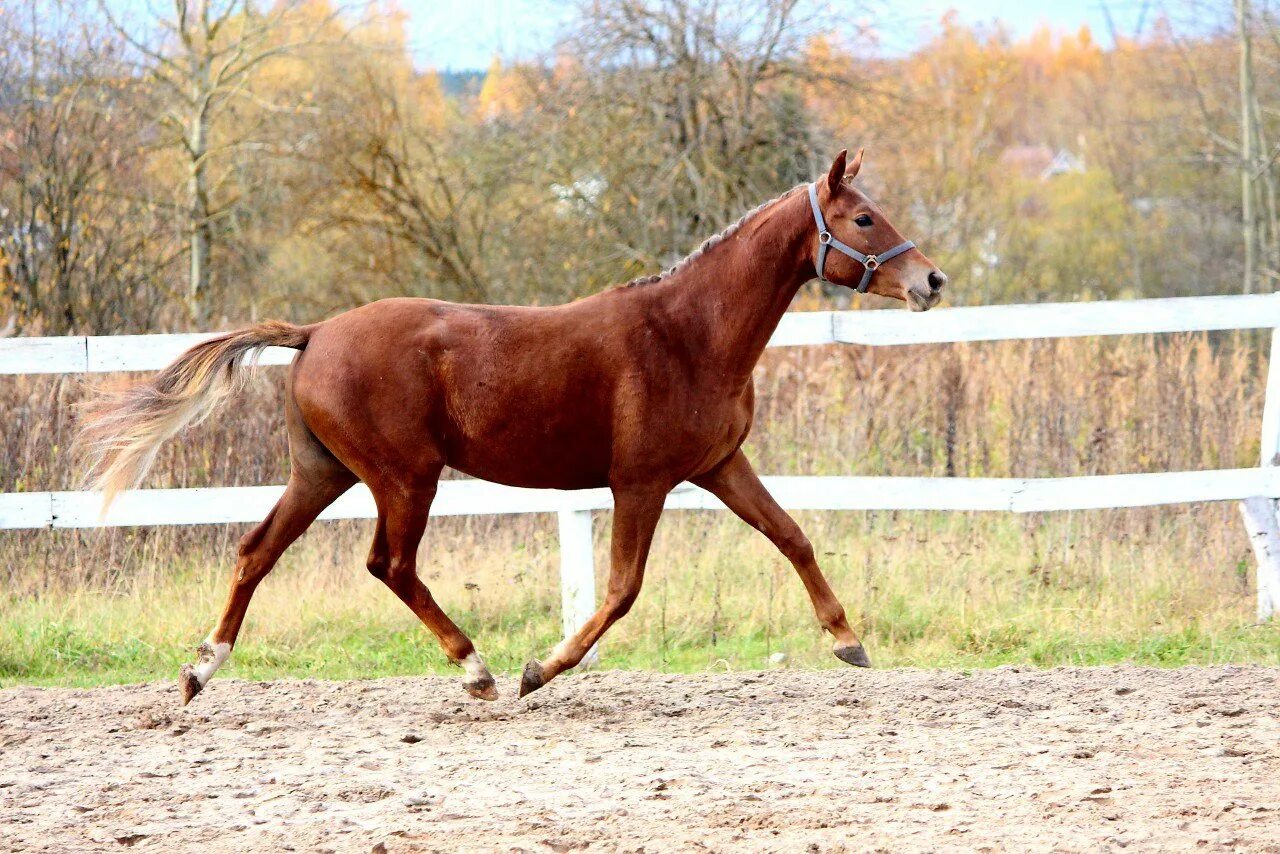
(122, 431)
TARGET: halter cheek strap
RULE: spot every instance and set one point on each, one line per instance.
(826, 240)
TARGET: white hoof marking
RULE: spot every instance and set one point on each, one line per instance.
(476, 668)
(210, 661)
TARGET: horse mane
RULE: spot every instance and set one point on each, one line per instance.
(710, 243)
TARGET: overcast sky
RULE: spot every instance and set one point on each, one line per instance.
(462, 34)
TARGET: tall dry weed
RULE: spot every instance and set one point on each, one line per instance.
(1037, 408)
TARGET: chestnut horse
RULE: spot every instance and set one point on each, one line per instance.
(636, 388)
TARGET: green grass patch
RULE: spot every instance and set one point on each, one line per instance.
(956, 591)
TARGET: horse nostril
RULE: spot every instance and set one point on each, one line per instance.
(937, 279)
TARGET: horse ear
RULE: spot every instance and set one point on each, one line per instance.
(852, 171)
(836, 175)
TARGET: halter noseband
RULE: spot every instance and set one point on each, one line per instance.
(826, 240)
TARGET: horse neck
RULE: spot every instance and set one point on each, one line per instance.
(734, 296)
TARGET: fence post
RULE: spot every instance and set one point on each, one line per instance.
(1260, 513)
(577, 575)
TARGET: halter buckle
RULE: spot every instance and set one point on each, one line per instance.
(872, 262)
(824, 237)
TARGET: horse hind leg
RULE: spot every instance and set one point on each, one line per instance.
(315, 481)
(402, 520)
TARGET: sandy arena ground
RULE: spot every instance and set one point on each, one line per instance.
(1012, 759)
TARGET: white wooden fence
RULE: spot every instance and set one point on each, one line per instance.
(1258, 488)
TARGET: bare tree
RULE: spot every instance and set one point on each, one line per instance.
(201, 68)
(695, 102)
(408, 191)
(433, 204)
(75, 254)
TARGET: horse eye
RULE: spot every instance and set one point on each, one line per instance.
(864, 220)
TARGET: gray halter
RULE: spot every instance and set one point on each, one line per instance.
(826, 240)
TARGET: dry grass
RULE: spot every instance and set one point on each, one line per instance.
(1172, 584)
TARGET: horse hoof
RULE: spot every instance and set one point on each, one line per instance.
(188, 683)
(532, 679)
(482, 689)
(855, 655)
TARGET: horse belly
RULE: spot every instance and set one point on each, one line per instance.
(558, 447)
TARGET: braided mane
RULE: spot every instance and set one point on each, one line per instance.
(711, 242)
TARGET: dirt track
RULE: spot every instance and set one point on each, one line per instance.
(1015, 759)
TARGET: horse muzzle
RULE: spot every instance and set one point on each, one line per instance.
(922, 297)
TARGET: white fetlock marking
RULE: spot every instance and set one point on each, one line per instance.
(206, 667)
(475, 667)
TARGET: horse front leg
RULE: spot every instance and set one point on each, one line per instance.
(635, 516)
(736, 484)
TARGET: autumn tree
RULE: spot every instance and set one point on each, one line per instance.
(298, 157)
(677, 116)
(201, 68)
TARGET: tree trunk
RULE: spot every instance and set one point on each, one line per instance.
(201, 244)
(201, 228)
(1248, 136)
(198, 185)
(1268, 204)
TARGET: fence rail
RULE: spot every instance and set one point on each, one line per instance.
(1257, 488)
(230, 504)
(79, 354)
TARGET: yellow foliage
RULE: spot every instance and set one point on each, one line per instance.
(501, 92)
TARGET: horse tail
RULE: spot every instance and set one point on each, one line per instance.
(122, 431)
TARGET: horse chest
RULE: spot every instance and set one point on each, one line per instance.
(686, 437)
